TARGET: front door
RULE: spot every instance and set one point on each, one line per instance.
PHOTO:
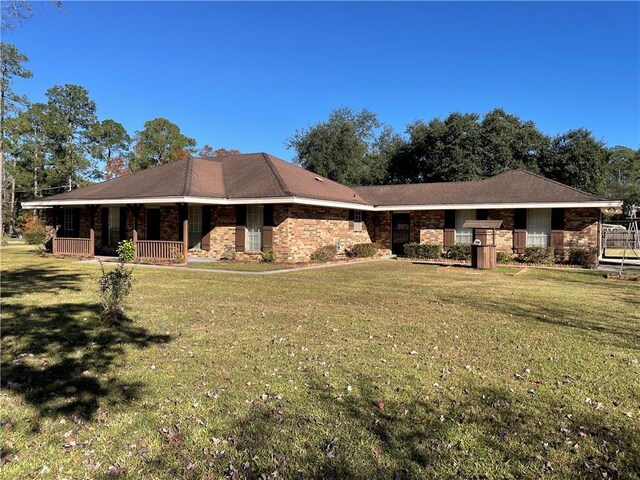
(153, 224)
(399, 232)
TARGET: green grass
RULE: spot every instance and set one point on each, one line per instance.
(374, 370)
(619, 252)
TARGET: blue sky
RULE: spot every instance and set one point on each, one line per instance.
(247, 75)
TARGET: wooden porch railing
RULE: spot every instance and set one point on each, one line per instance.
(173, 251)
(77, 247)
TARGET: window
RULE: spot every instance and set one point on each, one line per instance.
(357, 221)
(114, 225)
(538, 227)
(255, 222)
(67, 225)
(195, 226)
(464, 235)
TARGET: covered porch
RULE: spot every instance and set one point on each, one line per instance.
(160, 232)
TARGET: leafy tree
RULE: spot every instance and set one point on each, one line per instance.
(577, 159)
(209, 152)
(11, 66)
(159, 142)
(16, 11)
(509, 143)
(623, 174)
(110, 141)
(115, 167)
(73, 119)
(349, 147)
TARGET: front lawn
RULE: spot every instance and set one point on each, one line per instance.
(374, 370)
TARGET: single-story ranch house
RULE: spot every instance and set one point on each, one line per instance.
(252, 202)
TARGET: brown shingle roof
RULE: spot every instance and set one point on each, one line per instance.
(251, 175)
(259, 175)
(514, 186)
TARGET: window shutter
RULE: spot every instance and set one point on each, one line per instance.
(183, 214)
(519, 230)
(557, 232)
(123, 223)
(449, 228)
(206, 227)
(241, 222)
(75, 216)
(351, 217)
(104, 231)
(267, 228)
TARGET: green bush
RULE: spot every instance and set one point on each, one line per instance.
(324, 253)
(459, 251)
(362, 250)
(584, 257)
(537, 255)
(268, 255)
(5, 241)
(504, 257)
(126, 250)
(423, 251)
(229, 254)
(115, 287)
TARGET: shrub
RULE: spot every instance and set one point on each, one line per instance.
(503, 257)
(126, 250)
(460, 251)
(34, 231)
(268, 255)
(115, 287)
(537, 255)
(5, 241)
(362, 250)
(324, 253)
(228, 254)
(584, 257)
(423, 251)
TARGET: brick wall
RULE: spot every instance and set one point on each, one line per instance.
(427, 226)
(382, 231)
(504, 235)
(581, 227)
(308, 228)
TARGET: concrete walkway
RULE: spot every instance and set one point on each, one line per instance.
(240, 272)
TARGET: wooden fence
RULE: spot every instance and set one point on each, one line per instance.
(75, 247)
(172, 251)
(619, 239)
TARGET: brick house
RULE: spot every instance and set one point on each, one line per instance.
(253, 202)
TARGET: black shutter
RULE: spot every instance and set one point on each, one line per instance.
(241, 221)
(104, 232)
(557, 219)
(183, 214)
(268, 215)
(450, 219)
(123, 223)
(75, 216)
(520, 219)
(352, 216)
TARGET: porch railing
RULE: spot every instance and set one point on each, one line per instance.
(173, 251)
(77, 247)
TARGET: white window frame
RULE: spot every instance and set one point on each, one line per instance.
(114, 225)
(464, 235)
(538, 227)
(357, 220)
(254, 228)
(195, 226)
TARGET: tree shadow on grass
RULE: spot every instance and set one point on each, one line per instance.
(481, 432)
(57, 356)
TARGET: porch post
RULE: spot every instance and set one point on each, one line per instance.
(185, 237)
(92, 242)
(135, 244)
(54, 236)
